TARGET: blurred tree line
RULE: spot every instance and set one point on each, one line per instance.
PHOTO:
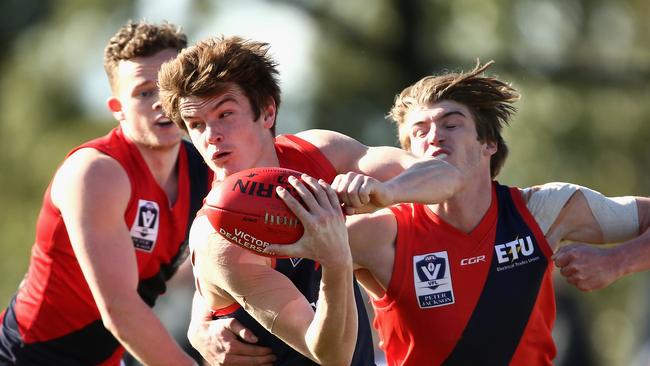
(582, 66)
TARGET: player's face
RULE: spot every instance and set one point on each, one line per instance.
(447, 130)
(137, 106)
(224, 130)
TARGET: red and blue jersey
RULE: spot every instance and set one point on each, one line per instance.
(455, 298)
(300, 155)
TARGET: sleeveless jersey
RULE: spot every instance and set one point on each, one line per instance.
(53, 318)
(483, 298)
(298, 154)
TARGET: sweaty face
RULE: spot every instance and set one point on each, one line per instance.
(141, 115)
(447, 130)
(224, 130)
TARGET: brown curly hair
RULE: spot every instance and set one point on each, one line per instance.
(208, 67)
(140, 39)
(488, 99)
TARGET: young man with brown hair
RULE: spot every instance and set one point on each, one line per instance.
(225, 92)
(113, 226)
(467, 281)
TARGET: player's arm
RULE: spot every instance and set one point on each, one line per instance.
(372, 243)
(570, 212)
(397, 175)
(92, 192)
(217, 339)
(220, 340)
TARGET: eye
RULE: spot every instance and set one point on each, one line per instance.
(225, 114)
(147, 93)
(195, 125)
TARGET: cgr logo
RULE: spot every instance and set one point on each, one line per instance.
(472, 260)
(511, 251)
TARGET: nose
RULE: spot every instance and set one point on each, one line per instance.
(214, 135)
(157, 105)
(435, 136)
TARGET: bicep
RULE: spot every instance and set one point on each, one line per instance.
(571, 212)
(92, 193)
(350, 155)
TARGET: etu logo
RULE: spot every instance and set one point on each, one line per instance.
(430, 269)
(511, 251)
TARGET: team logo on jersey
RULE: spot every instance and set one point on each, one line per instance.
(144, 230)
(295, 261)
(515, 253)
(432, 280)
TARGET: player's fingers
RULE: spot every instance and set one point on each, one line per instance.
(284, 250)
(292, 203)
(353, 191)
(568, 271)
(331, 195)
(237, 360)
(306, 195)
(244, 349)
(317, 190)
(244, 333)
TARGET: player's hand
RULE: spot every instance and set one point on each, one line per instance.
(588, 267)
(220, 343)
(361, 193)
(326, 238)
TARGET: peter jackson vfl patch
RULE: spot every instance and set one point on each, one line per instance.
(432, 280)
(144, 230)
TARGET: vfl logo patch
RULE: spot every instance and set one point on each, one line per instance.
(432, 280)
(295, 261)
(515, 253)
(144, 230)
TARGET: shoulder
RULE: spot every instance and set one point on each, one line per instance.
(341, 150)
(91, 174)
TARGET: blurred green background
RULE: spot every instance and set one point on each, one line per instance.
(583, 67)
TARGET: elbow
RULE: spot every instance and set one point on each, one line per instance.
(112, 319)
(338, 357)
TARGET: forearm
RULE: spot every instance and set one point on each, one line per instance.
(331, 337)
(427, 181)
(140, 331)
(634, 255)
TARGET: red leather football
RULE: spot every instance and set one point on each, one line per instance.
(245, 209)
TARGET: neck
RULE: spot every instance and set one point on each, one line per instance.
(466, 208)
(162, 165)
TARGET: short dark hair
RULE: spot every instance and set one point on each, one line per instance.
(140, 39)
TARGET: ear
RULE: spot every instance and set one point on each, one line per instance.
(490, 148)
(115, 106)
(268, 114)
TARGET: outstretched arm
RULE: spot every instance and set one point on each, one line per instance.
(92, 192)
(382, 176)
(591, 268)
(570, 212)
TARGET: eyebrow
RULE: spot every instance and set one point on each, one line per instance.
(445, 115)
(221, 102)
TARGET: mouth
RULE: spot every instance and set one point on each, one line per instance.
(163, 122)
(440, 153)
(220, 156)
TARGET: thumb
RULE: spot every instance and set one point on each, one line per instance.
(282, 250)
(243, 332)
